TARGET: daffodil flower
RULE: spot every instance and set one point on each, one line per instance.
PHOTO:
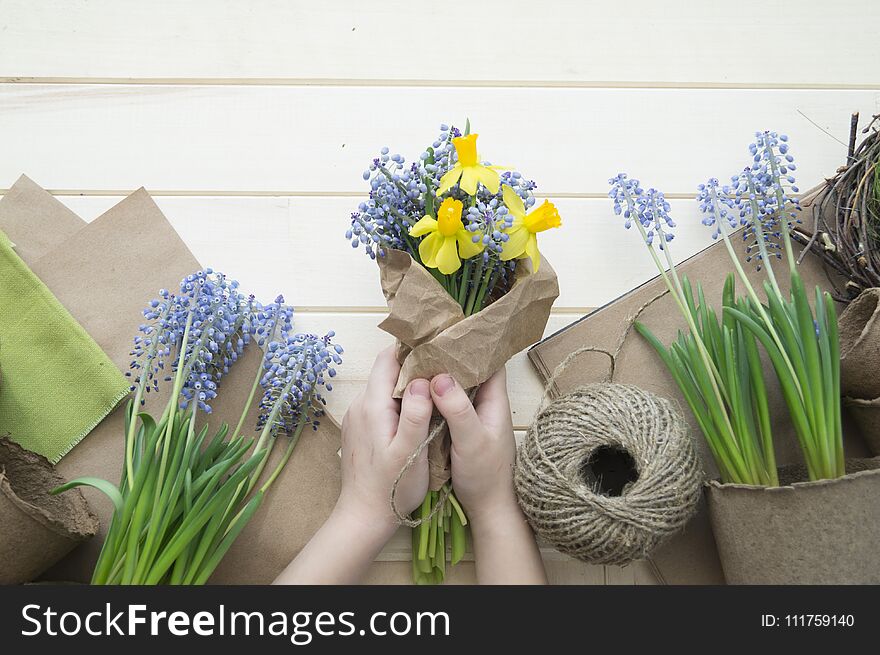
(522, 234)
(446, 238)
(469, 169)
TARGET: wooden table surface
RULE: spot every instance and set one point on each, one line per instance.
(251, 122)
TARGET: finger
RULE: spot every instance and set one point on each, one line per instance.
(493, 403)
(455, 406)
(415, 415)
(383, 378)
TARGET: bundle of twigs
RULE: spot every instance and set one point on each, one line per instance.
(846, 215)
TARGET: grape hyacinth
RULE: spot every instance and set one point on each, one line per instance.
(799, 335)
(184, 496)
(202, 330)
(717, 363)
(296, 369)
(649, 208)
(760, 198)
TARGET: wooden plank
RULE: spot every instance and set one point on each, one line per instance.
(558, 41)
(318, 140)
(643, 574)
(619, 575)
(296, 246)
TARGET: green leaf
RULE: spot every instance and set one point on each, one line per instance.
(812, 390)
(107, 488)
(148, 422)
(220, 551)
(458, 537)
(789, 388)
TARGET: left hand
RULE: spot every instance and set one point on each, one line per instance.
(378, 435)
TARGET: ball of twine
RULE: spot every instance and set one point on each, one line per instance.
(572, 514)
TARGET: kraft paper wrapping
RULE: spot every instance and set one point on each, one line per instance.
(105, 273)
(689, 557)
(435, 336)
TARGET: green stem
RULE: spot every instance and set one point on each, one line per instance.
(468, 306)
(248, 402)
(465, 281)
(294, 438)
(759, 233)
(139, 395)
(424, 527)
(269, 431)
(475, 302)
(759, 306)
(453, 501)
(175, 394)
(673, 284)
(677, 292)
(780, 203)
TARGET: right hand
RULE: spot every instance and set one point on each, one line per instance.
(483, 446)
(378, 435)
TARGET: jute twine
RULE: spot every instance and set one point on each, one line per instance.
(574, 515)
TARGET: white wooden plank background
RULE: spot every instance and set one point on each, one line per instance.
(645, 43)
(251, 123)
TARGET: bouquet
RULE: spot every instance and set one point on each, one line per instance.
(717, 364)
(456, 240)
(186, 492)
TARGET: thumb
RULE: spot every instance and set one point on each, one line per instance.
(455, 406)
(415, 415)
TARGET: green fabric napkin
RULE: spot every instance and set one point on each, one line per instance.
(56, 384)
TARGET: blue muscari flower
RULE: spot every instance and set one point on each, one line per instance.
(760, 196)
(717, 206)
(221, 323)
(296, 369)
(650, 208)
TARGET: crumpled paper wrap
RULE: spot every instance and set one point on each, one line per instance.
(434, 336)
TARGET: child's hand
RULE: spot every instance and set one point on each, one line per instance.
(483, 453)
(483, 447)
(378, 435)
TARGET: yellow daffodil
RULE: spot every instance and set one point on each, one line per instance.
(469, 169)
(446, 238)
(522, 234)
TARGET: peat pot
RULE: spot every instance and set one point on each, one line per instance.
(859, 327)
(823, 532)
(36, 528)
(866, 415)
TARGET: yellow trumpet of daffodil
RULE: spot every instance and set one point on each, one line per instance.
(469, 169)
(522, 235)
(446, 238)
